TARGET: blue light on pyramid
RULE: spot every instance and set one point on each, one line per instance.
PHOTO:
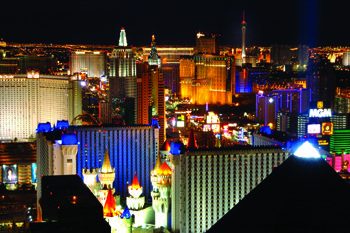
(306, 150)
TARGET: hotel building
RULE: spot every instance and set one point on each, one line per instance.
(28, 99)
(131, 149)
(206, 184)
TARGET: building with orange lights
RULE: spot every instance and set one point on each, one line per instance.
(206, 78)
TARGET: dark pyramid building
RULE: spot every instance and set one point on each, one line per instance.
(301, 195)
(68, 206)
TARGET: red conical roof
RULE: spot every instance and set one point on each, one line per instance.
(164, 169)
(109, 208)
(165, 146)
(135, 182)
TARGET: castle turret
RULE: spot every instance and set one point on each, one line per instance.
(65, 155)
(161, 182)
(110, 212)
(135, 201)
(126, 220)
(106, 175)
(90, 176)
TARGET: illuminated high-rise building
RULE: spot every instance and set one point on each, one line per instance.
(291, 101)
(122, 80)
(212, 80)
(321, 80)
(131, 149)
(144, 93)
(170, 59)
(243, 81)
(150, 88)
(93, 63)
(206, 184)
(266, 109)
(27, 100)
(206, 44)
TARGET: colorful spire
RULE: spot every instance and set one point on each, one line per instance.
(122, 38)
(126, 213)
(164, 169)
(165, 146)
(153, 58)
(192, 142)
(158, 163)
(106, 166)
(135, 182)
(109, 209)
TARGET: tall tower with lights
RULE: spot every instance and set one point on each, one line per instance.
(244, 25)
(122, 80)
(158, 95)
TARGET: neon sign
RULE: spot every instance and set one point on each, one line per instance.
(319, 113)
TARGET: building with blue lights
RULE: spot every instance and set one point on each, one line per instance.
(131, 149)
(243, 81)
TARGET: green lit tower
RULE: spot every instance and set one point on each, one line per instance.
(122, 38)
(339, 141)
(153, 58)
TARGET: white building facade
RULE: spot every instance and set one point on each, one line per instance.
(29, 99)
(207, 184)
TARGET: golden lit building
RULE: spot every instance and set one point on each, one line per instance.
(207, 79)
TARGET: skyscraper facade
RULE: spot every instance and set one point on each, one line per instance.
(207, 184)
(131, 149)
(93, 63)
(122, 80)
(213, 79)
(33, 98)
(170, 59)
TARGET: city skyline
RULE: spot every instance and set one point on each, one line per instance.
(311, 22)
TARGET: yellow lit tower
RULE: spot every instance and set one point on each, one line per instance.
(161, 182)
(106, 176)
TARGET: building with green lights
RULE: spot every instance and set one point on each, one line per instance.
(340, 141)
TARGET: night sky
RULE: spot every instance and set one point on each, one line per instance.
(313, 22)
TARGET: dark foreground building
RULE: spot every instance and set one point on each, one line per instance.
(301, 195)
(69, 206)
